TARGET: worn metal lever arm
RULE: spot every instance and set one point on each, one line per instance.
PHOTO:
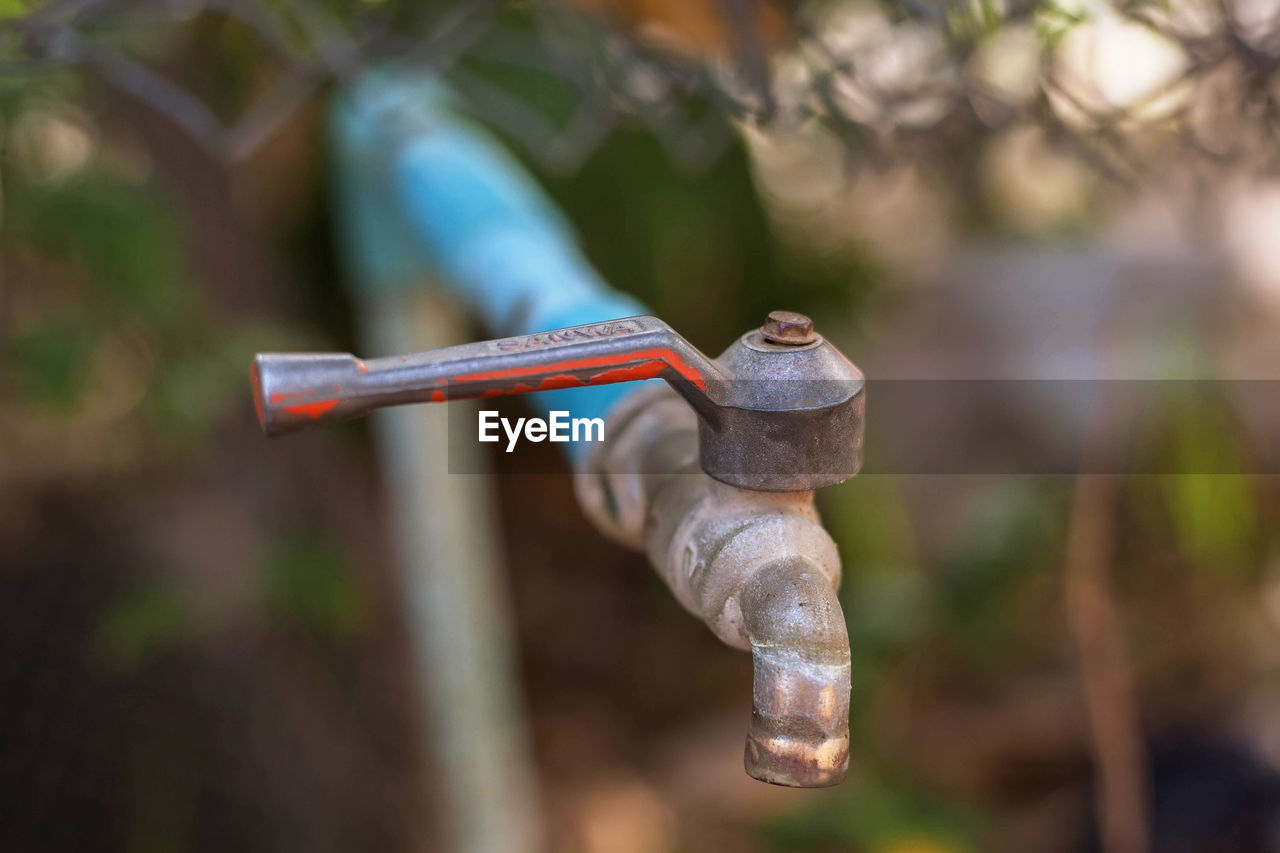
(293, 391)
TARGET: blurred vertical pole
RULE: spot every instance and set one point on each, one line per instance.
(459, 612)
(430, 202)
(1123, 796)
(443, 522)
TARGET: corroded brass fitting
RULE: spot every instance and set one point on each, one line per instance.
(757, 567)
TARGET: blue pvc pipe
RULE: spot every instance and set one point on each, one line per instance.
(426, 196)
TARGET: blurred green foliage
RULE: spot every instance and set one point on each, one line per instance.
(95, 261)
(307, 582)
(200, 386)
(1212, 518)
(122, 239)
(141, 621)
(120, 245)
(871, 815)
(884, 593)
(49, 361)
(1010, 536)
(14, 8)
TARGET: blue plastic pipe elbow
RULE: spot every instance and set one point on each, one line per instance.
(427, 197)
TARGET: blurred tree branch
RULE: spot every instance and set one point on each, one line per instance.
(891, 79)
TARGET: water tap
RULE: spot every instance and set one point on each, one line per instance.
(712, 475)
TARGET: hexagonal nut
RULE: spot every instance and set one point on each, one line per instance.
(788, 327)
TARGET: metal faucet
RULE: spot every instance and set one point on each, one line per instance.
(712, 476)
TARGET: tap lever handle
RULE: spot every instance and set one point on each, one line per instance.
(293, 391)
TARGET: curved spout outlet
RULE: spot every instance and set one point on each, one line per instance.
(757, 567)
(799, 733)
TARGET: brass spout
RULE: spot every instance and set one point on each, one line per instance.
(757, 567)
(799, 732)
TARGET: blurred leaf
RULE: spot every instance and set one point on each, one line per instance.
(885, 600)
(18, 91)
(306, 581)
(868, 518)
(189, 392)
(877, 817)
(1052, 22)
(49, 362)
(124, 241)
(140, 621)
(18, 8)
(1213, 518)
(193, 390)
(970, 22)
(1008, 540)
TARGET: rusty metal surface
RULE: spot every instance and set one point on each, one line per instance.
(799, 733)
(788, 327)
(718, 493)
(757, 567)
(772, 417)
(297, 390)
